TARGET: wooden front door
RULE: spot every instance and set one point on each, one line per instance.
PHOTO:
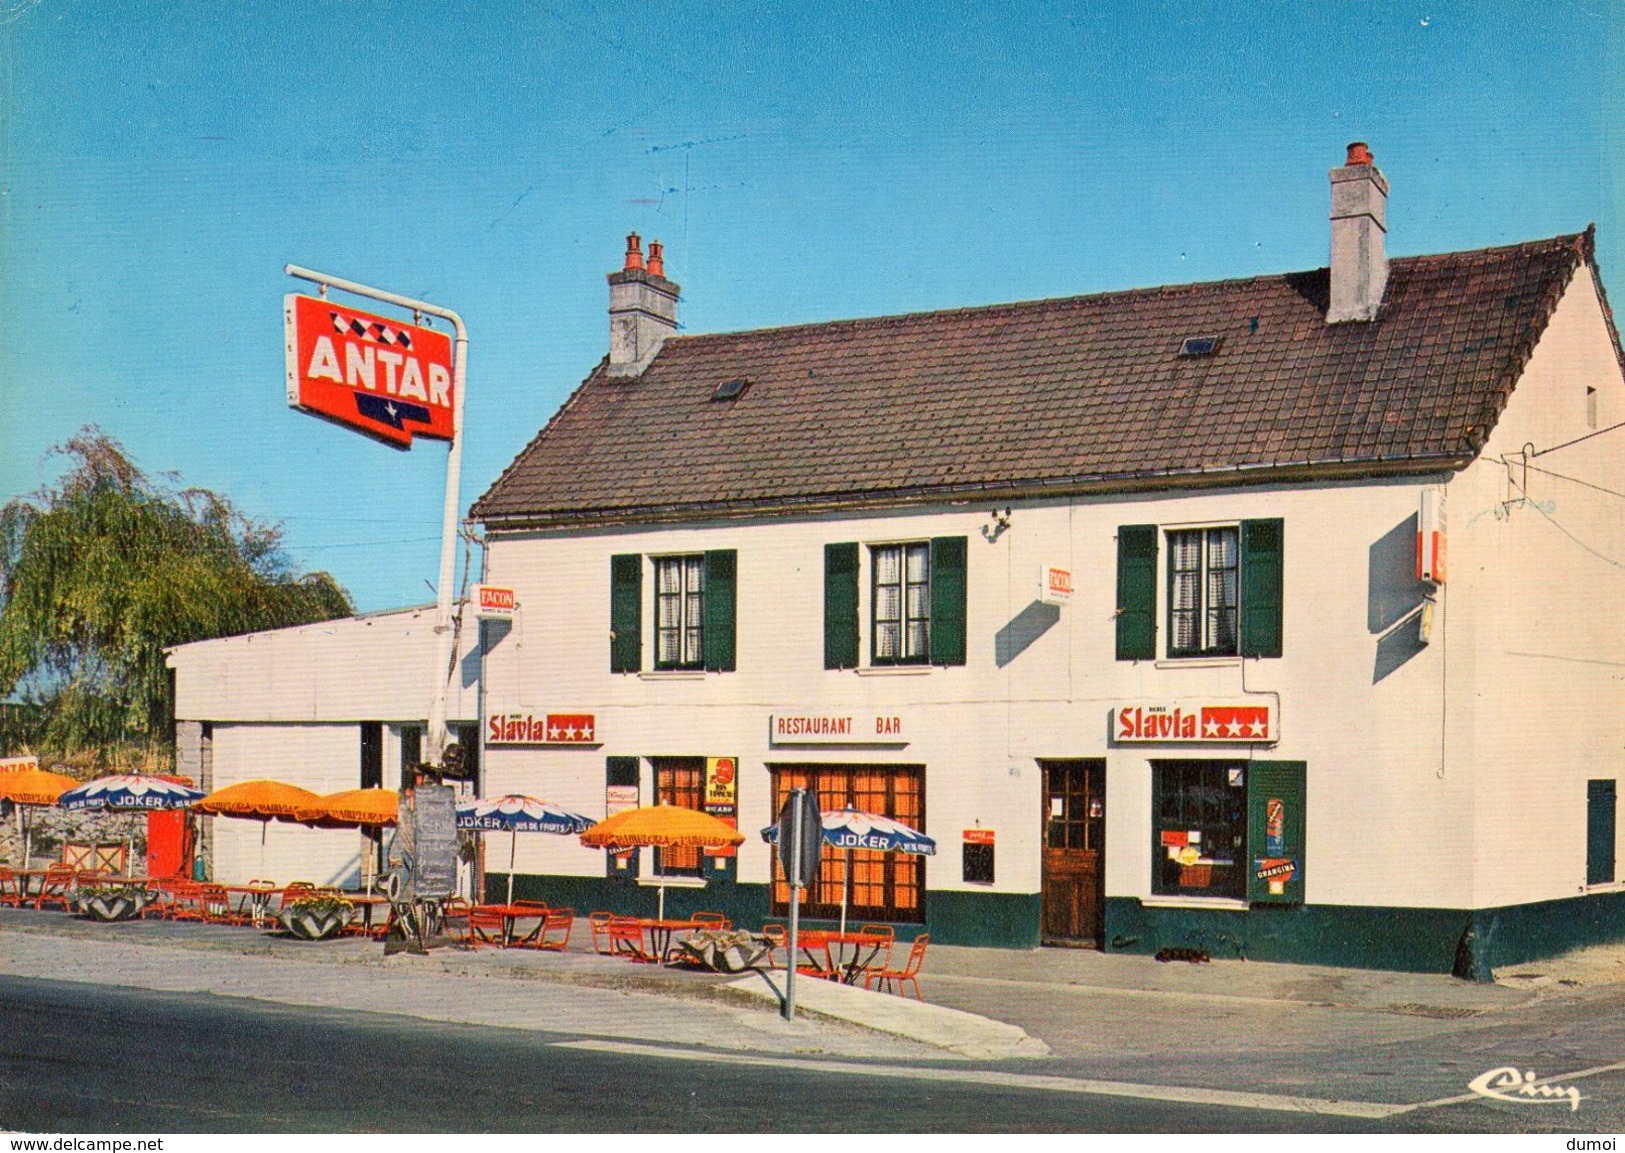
(1074, 881)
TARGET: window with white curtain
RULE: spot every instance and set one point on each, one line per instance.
(679, 611)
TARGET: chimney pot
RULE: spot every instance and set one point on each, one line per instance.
(642, 310)
(1359, 154)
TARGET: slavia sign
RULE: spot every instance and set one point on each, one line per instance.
(372, 373)
(1194, 722)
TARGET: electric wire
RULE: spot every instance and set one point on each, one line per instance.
(1578, 439)
(1553, 521)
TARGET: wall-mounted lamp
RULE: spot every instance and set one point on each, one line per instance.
(998, 521)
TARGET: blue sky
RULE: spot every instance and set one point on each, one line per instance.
(160, 163)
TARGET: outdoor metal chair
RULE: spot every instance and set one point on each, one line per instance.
(713, 920)
(598, 925)
(186, 902)
(908, 974)
(486, 926)
(216, 905)
(11, 888)
(882, 960)
(554, 934)
(626, 938)
(454, 917)
(55, 888)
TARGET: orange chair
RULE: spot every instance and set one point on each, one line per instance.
(712, 920)
(626, 938)
(54, 888)
(908, 974)
(186, 902)
(216, 906)
(485, 926)
(454, 916)
(598, 925)
(11, 888)
(554, 934)
(882, 959)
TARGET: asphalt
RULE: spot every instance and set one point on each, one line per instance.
(983, 1004)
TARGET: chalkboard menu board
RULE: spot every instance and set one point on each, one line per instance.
(429, 825)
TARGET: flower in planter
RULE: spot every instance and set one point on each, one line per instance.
(316, 915)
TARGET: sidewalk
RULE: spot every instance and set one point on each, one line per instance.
(982, 1003)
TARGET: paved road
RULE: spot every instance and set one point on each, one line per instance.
(77, 1058)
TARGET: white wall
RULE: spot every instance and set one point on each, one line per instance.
(366, 668)
(1537, 587)
(1374, 794)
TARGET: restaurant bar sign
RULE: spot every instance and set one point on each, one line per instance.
(383, 377)
(544, 729)
(824, 728)
(1221, 721)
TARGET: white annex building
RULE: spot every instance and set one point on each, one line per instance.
(1276, 618)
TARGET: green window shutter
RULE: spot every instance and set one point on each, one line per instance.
(948, 600)
(841, 606)
(626, 613)
(1276, 799)
(717, 633)
(1600, 832)
(1261, 588)
(1136, 592)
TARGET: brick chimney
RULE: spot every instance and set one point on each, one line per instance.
(1359, 227)
(642, 309)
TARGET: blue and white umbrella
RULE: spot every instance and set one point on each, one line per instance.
(851, 828)
(519, 814)
(129, 793)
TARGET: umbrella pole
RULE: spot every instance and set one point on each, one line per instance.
(846, 890)
(27, 828)
(513, 840)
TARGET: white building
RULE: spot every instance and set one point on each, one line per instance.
(328, 707)
(1248, 710)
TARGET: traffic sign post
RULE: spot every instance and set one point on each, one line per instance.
(801, 840)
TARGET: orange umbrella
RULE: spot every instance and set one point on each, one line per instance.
(259, 800)
(32, 787)
(664, 827)
(353, 808)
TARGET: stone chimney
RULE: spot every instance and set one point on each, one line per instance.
(642, 309)
(1359, 226)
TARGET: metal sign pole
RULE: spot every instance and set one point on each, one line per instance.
(794, 871)
(454, 462)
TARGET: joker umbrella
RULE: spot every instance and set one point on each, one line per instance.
(129, 792)
(518, 814)
(258, 800)
(661, 827)
(32, 787)
(851, 828)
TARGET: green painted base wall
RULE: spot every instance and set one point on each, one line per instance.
(999, 920)
(1414, 940)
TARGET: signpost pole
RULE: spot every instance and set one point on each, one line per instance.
(444, 638)
(796, 833)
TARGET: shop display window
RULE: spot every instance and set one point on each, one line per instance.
(1199, 829)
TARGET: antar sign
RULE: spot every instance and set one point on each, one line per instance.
(387, 379)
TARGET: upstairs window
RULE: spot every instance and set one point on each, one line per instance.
(679, 612)
(902, 603)
(1202, 592)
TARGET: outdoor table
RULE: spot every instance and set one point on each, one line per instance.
(367, 902)
(252, 900)
(509, 914)
(848, 954)
(660, 933)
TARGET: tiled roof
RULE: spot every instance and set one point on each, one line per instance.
(1082, 393)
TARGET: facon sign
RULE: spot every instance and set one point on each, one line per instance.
(1054, 584)
(387, 379)
(492, 602)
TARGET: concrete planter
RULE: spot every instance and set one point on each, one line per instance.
(112, 906)
(314, 925)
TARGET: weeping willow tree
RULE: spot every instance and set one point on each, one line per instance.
(103, 570)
